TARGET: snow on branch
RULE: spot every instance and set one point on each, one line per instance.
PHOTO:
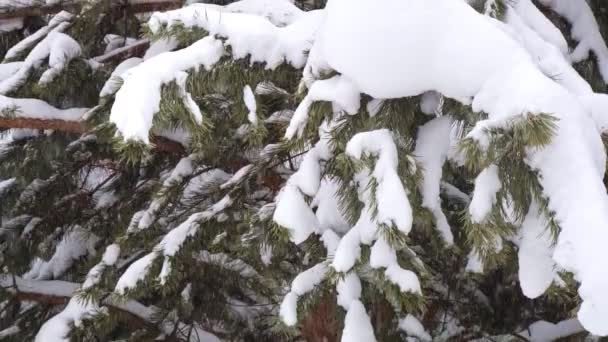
(497, 74)
(584, 29)
(12, 12)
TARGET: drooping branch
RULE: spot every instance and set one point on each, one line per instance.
(78, 127)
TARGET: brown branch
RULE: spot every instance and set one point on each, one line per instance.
(58, 125)
(79, 127)
(136, 49)
(61, 292)
(34, 11)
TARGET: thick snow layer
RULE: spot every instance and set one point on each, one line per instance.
(584, 29)
(537, 21)
(133, 118)
(412, 327)
(378, 69)
(498, 76)
(393, 204)
(58, 47)
(536, 265)
(547, 56)
(37, 109)
(357, 324)
(487, 184)
(115, 81)
(249, 35)
(432, 146)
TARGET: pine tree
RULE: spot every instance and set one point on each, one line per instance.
(279, 170)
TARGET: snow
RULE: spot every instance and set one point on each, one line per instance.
(357, 324)
(293, 213)
(536, 265)
(338, 90)
(75, 244)
(542, 331)
(58, 47)
(499, 77)
(487, 185)
(7, 25)
(249, 99)
(288, 310)
(393, 204)
(329, 212)
(349, 290)
(302, 284)
(474, 262)
(7, 184)
(57, 328)
(12, 330)
(225, 261)
(279, 12)
(133, 119)
(109, 258)
(348, 251)
(238, 176)
(9, 69)
(537, 21)
(159, 46)
(37, 109)
(249, 35)
(171, 243)
(584, 29)
(405, 279)
(432, 146)
(308, 176)
(115, 81)
(136, 272)
(57, 24)
(114, 41)
(412, 327)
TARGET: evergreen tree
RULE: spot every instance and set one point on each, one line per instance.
(278, 170)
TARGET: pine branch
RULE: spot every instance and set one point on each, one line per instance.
(79, 127)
